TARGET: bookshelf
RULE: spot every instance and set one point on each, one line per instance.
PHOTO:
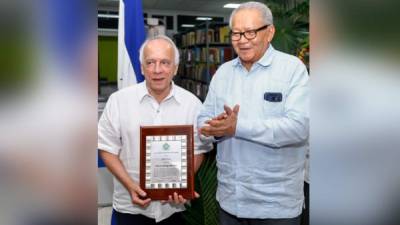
(203, 49)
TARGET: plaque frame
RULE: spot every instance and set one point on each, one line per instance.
(169, 131)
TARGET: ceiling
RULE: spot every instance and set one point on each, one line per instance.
(204, 6)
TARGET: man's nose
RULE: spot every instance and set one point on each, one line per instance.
(157, 67)
(243, 39)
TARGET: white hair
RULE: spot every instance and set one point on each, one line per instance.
(266, 13)
(176, 51)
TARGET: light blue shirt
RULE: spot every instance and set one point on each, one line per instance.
(261, 168)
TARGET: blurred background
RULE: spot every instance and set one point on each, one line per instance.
(48, 112)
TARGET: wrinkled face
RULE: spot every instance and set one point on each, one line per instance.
(250, 51)
(158, 66)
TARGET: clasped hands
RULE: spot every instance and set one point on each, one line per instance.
(222, 125)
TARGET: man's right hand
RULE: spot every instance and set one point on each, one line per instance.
(114, 164)
(138, 196)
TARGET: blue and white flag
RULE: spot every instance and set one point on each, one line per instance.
(131, 35)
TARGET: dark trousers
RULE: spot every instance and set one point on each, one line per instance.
(138, 219)
(228, 219)
(305, 216)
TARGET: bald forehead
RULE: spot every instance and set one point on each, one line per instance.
(159, 43)
(159, 48)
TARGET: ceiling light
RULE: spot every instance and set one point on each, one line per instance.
(187, 25)
(203, 18)
(231, 5)
(107, 16)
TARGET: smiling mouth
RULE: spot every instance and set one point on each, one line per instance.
(244, 49)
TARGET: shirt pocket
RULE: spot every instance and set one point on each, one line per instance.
(274, 108)
(270, 107)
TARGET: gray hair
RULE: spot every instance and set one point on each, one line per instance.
(176, 51)
(266, 13)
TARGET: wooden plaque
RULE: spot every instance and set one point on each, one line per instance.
(166, 161)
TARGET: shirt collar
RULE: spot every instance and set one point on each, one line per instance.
(144, 92)
(265, 60)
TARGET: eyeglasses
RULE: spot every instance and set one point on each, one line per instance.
(249, 35)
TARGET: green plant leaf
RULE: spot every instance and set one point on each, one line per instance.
(204, 210)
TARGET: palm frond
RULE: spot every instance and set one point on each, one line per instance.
(204, 210)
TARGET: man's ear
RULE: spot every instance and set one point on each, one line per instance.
(271, 32)
(176, 69)
(142, 68)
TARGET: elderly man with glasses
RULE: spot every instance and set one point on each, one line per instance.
(256, 110)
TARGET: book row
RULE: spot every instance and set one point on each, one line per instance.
(210, 35)
(213, 55)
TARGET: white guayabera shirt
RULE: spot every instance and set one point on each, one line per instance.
(119, 134)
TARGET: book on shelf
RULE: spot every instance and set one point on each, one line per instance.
(203, 51)
(223, 34)
(190, 55)
(227, 54)
(213, 69)
(189, 39)
(202, 36)
(200, 90)
(213, 55)
(217, 55)
(195, 72)
(194, 64)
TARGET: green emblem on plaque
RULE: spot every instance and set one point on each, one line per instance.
(166, 146)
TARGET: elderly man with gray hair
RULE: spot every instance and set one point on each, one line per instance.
(261, 145)
(156, 101)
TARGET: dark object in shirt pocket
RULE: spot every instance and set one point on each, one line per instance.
(273, 96)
